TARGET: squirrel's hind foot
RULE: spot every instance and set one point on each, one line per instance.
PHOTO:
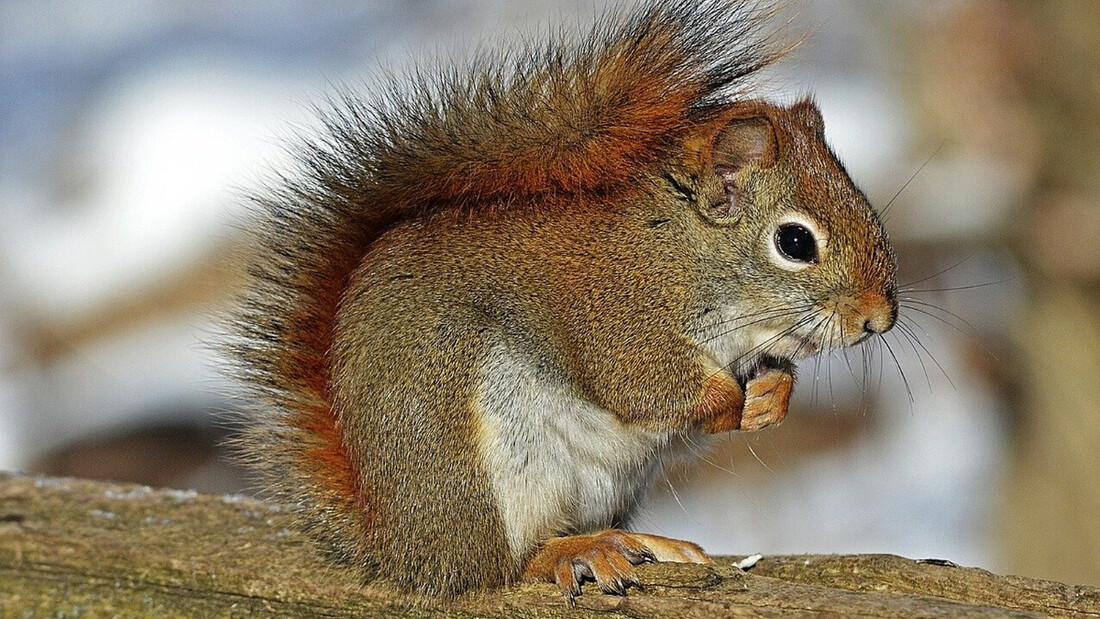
(608, 558)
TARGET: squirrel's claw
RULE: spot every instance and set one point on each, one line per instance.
(608, 558)
(569, 581)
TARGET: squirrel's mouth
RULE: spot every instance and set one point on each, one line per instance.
(794, 347)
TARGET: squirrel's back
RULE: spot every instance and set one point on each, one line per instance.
(571, 117)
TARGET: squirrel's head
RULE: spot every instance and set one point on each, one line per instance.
(795, 256)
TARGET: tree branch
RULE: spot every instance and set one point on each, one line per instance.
(77, 547)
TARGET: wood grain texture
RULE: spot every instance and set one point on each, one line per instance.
(71, 547)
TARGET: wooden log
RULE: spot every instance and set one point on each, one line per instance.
(71, 547)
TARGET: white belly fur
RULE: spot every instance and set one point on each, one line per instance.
(556, 462)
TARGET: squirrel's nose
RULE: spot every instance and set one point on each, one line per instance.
(877, 325)
(881, 314)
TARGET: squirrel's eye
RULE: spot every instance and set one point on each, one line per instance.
(796, 243)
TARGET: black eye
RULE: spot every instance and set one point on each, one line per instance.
(796, 243)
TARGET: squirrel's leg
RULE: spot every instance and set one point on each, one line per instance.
(608, 558)
(763, 402)
(639, 384)
(722, 404)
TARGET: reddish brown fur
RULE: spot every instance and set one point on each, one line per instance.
(327, 462)
(585, 118)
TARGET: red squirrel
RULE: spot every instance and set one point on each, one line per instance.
(491, 301)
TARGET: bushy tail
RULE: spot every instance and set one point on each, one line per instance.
(568, 116)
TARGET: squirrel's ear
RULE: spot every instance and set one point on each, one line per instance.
(742, 142)
(747, 137)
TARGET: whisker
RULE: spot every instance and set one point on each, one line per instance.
(817, 377)
(817, 369)
(832, 395)
(844, 349)
(772, 340)
(702, 453)
(886, 208)
(908, 328)
(957, 288)
(917, 304)
(904, 380)
(748, 324)
(865, 350)
(753, 452)
(702, 456)
(810, 335)
(881, 366)
(973, 333)
(772, 316)
(924, 368)
(675, 495)
(779, 309)
(910, 338)
(908, 285)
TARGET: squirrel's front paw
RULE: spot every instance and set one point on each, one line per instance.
(767, 396)
(608, 558)
(722, 405)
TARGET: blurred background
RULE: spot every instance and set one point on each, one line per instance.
(130, 133)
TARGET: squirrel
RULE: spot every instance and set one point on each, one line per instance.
(491, 302)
